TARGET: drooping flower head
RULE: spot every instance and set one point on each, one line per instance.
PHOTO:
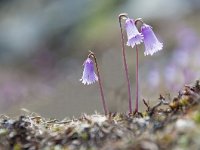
(151, 42)
(89, 75)
(133, 35)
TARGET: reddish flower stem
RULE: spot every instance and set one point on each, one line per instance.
(137, 82)
(125, 64)
(100, 85)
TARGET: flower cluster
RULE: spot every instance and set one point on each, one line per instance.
(152, 45)
(134, 37)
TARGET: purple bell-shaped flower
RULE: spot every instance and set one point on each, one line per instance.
(89, 75)
(151, 42)
(133, 35)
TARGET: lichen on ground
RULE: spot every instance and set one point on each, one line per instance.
(167, 125)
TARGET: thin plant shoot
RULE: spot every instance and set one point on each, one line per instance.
(89, 76)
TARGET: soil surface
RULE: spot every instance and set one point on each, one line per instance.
(169, 124)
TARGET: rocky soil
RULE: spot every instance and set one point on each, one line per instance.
(169, 124)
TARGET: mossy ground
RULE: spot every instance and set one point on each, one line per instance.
(169, 124)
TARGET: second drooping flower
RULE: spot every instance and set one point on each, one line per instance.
(152, 45)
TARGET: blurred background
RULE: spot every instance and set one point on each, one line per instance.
(43, 44)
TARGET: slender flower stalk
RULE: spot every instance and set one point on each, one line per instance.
(121, 16)
(89, 76)
(134, 38)
(137, 74)
(137, 82)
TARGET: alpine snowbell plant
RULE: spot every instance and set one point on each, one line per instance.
(134, 37)
(89, 76)
(132, 33)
